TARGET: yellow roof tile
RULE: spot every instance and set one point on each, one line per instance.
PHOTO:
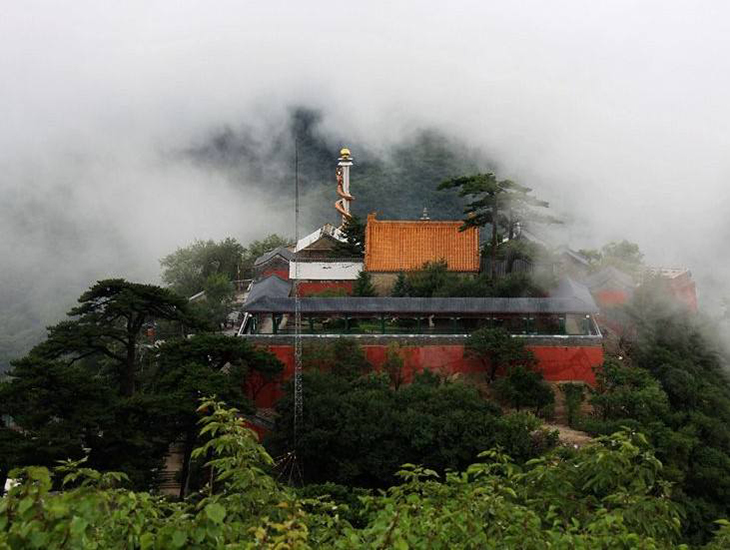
(407, 245)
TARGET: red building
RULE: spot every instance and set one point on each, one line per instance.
(432, 332)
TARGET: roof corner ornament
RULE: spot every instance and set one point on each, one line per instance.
(343, 184)
(424, 215)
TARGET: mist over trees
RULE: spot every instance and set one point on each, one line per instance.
(407, 174)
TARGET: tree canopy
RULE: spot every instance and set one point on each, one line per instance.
(188, 269)
(358, 431)
(623, 255)
(99, 386)
(502, 204)
(610, 494)
(672, 384)
(497, 350)
(108, 324)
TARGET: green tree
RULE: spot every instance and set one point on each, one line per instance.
(51, 402)
(108, 325)
(623, 255)
(364, 285)
(497, 350)
(343, 357)
(515, 249)
(402, 287)
(206, 364)
(187, 269)
(574, 394)
(609, 494)
(393, 365)
(85, 384)
(521, 387)
(217, 303)
(62, 410)
(358, 431)
(625, 392)
(430, 279)
(673, 386)
(499, 204)
(354, 245)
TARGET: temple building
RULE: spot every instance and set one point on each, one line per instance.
(394, 246)
(560, 329)
(319, 268)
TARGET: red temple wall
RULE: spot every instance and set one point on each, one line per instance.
(282, 273)
(685, 291)
(307, 288)
(557, 363)
(609, 298)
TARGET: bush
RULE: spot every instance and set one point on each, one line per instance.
(525, 388)
(522, 434)
(609, 494)
(574, 394)
(359, 431)
(342, 357)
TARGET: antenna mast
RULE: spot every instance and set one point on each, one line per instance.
(298, 397)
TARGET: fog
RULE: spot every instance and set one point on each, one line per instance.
(616, 112)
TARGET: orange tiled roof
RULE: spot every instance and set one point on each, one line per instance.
(407, 245)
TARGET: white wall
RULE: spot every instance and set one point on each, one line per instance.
(326, 271)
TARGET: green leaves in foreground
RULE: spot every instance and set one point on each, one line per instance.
(608, 495)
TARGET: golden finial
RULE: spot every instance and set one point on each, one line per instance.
(345, 152)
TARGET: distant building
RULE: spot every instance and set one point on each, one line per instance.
(560, 330)
(275, 262)
(610, 287)
(319, 268)
(680, 284)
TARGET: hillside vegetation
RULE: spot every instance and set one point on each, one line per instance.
(610, 494)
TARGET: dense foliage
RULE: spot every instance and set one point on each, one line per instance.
(503, 205)
(98, 386)
(363, 286)
(435, 280)
(358, 431)
(610, 494)
(522, 388)
(623, 255)
(187, 269)
(498, 351)
(672, 384)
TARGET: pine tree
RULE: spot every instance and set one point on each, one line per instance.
(364, 285)
(402, 287)
(354, 245)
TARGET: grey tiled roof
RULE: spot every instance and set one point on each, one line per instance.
(282, 251)
(272, 296)
(426, 306)
(577, 256)
(272, 286)
(569, 288)
(612, 277)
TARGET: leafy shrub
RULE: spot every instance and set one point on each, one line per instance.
(521, 387)
(359, 431)
(341, 356)
(497, 350)
(574, 394)
(610, 494)
(522, 433)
